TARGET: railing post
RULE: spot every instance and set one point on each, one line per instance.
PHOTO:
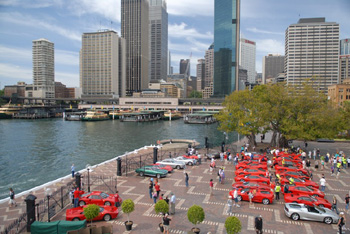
(61, 197)
(30, 202)
(119, 166)
(78, 180)
(155, 155)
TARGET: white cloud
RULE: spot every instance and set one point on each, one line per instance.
(181, 31)
(32, 3)
(65, 57)
(15, 72)
(68, 79)
(11, 53)
(270, 46)
(29, 21)
(255, 30)
(191, 8)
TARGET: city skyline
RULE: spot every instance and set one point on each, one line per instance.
(63, 23)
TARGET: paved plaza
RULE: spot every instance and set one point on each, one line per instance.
(146, 221)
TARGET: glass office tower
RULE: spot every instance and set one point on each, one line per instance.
(226, 46)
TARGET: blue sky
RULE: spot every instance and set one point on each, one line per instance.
(191, 26)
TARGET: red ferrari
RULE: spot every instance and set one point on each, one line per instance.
(164, 167)
(299, 182)
(255, 165)
(294, 174)
(250, 171)
(262, 195)
(106, 213)
(305, 190)
(190, 157)
(99, 198)
(307, 200)
(253, 178)
(281, 170)
(250, 185)
(287, 168)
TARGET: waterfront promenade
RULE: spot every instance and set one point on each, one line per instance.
(145, 219)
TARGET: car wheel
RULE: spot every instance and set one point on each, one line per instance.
(107, 217)
(295, 216)
(141, 173)
(239, 198)
(266, 201)
(158, 176)
(328, 220)
(76, 219)
(190, 164)
(178, 167)
(322, 206)
(107, 203)
(82, 203)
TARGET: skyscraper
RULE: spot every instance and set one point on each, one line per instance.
(272, 64)
(344, 60)
(43, 69)
(102, 65)
(135, 30)
(226, 46)
(209, 66)
(312, 51)
(158, 20)
(169, 67)
(185, 67)
(200, 74)
(247, 57)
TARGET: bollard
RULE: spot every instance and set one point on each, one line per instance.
(119, 167)
(30, 202)
(78, 180)
(155, 155)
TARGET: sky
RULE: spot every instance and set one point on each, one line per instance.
(191, 29)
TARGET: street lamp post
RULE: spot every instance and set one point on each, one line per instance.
(88, 170)
(48, 194)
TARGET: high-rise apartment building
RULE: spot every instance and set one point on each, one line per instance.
(158, 20)
(169, 67)
(344, 60)
(135, 30)
(185, 67)
(209, 66)
(247, 56)
(272, 65)
(102, 65)
(226, 46)
(200, 74)
(43, 69)
(312, 51)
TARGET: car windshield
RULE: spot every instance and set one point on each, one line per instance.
(85, 194)
(320, 209)
(312, 198)
(101, 209)
(104, 195)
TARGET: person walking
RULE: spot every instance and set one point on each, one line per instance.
(277, 191)
(72, 170)
(229, 205)
(211, 186)
(12, 198)
(334, 205)
(154, 196)
(150, 188)
(222, 176)
(172, 203)
(258, 225)
(186, 178)
(166, 223)
(323, 183)
(341, 222)
(157, 187)
(235, 197)
(219, 174)
(250, 196)
(76, 197)
(347, 203)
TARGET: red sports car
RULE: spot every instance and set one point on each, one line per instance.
(294, 174)
(250, 185)
(255, 157)
(164, 167)
(106, 213)
(255, 165)
(251, 171)
(190, 157)
(262, 195)
(287, 168)
(253, 178)
(281, 170)
(305, 190)
(307, 200)
(99, 198)
(299, 182)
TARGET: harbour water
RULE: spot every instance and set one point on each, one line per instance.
(34, 152)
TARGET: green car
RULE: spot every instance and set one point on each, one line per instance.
(151, 171)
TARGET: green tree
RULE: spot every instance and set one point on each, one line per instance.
(195, 214)
(233, 225)
(196, 94)
(128, 206)
(91, 211)
(161, 207)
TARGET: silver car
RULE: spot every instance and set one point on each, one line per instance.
(311, 213)
(188, 161)
(173, 163)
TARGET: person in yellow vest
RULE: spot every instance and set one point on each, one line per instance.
(291, 180)
(277, 191)
(283, 162)
(344, 162)
(278, 178)
(338, 168)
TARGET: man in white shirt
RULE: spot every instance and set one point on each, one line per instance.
(172, 203)
(323, 184)
(235, 198)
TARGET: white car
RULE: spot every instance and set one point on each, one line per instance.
(173, 163)
(188, 161)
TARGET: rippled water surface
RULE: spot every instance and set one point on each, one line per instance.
(34, 152)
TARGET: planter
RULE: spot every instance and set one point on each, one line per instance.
(195, 230)
(128, 225)
(161, 227)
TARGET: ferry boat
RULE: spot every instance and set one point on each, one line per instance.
(95, 116)
(142, 116)
(172, 114)
(201, 117)
(8, 111)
